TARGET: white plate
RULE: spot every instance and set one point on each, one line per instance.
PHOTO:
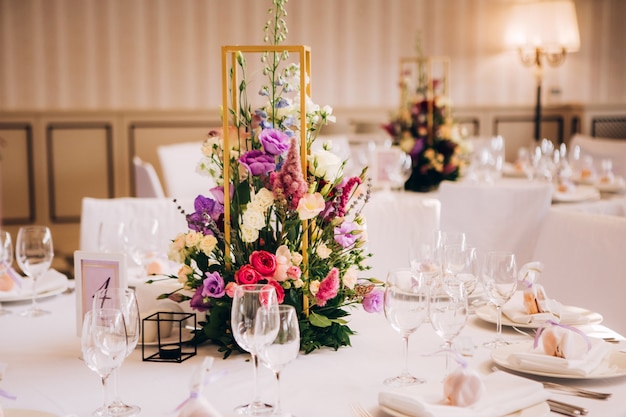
(612, 366)
(51, 283)
(616, 186)
(510, 170)
(580, 193)
(488, 313)
(19, 412)
(537, 410)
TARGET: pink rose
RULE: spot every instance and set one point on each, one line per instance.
(264, 262)
(247, 275)
(294, 272)
(230, 289)
(280, 292)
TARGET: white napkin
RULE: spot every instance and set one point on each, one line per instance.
(540, 362)
(51, 280)
(516, 312)
(197, 405)
(504, 394)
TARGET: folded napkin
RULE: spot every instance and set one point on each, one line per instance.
(504, 394)
(515, 310)
(197, 405)
(51, 280)
(537, 360)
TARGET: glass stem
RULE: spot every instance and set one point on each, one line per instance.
(114, 387)
(255, 371)
(499, 322)
(34, 296)
(277, 407)
(405, 370)
(448, 352)
(106, 393)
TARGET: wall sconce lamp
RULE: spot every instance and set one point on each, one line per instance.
(543, 30)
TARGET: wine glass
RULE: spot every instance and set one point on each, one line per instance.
(6, 257)
(247, 300)
(405, 307)
(500, 282)
(460, 264)
(448, 310)
(34, 253)
(103, 345)
(124, 300)
(284, 348)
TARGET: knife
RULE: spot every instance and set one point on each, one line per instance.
(566, 409)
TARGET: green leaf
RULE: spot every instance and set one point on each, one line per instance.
(318, 320)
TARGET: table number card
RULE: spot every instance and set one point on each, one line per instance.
(94, 271)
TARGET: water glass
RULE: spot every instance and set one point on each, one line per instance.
(499, 279)
(34, 253)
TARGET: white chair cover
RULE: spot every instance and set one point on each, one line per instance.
(583, 256)
(602, 148)
(147, 183)
(178, 163)
(505, 215)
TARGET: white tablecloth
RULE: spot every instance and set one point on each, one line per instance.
(45, 372)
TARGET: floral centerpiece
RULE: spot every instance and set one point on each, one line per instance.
(298, 230)
(423, 128)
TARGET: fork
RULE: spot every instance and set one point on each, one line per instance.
(578, 391)
(359, 411)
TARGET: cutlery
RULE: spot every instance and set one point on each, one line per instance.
(566, 409)
(359, 411)
(577, 391)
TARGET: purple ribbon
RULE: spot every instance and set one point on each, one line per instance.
(565, 326)
(11, 273)
(194, 394)
(7, 394)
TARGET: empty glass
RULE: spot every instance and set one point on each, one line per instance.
(405, 307)
(34, 253)
(6, 257)
(499, 278)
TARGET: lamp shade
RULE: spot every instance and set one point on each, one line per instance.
(549, 24)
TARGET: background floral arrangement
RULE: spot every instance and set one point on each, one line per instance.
(274, 205)
(435, 157)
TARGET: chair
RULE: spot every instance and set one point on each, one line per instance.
(583, 256)
(178, 163)
(147, 183)
(602, 148)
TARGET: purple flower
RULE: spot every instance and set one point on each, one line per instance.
(274, 141)
(218, 193)
(198, 302)
(258, 162)
(213, 285)
(207, 210)
(343, 234)
(373, 301)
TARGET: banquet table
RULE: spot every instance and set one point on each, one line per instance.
(44, 371)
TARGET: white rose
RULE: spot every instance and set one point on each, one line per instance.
(314, 287)
(207, 244)
(349, 278)
(192, 238)
(249, 234)
(323, 251)
(296, 258)
(264, 198)
(325, 164)
(253, 218)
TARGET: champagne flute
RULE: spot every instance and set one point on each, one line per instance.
(284, 348)
(124, 300)
(247, 300)
(447, 309)
(500, 282)
(34, 253)
(103, 345)
(405, 307)
(6, 257)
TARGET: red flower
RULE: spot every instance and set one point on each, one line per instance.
(280, 292)
(264, 262)
(247, 275)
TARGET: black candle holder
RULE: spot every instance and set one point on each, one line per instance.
(172, 347)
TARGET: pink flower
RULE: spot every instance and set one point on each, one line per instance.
(280, 292)
(247, 275)
(264, 262)
(294, 272)
(230, 289)
(346, 190)
(289, 184)
(310, 205)
(329, 287)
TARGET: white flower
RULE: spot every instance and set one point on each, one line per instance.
(314, 287)
(323, 251)
(326, 165)
(253, 217)
(296, 258)
(207, 244)
(349, 278)
(249, 234)
(264, 198)
(192, 238)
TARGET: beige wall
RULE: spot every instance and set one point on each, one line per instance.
(164, 54)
